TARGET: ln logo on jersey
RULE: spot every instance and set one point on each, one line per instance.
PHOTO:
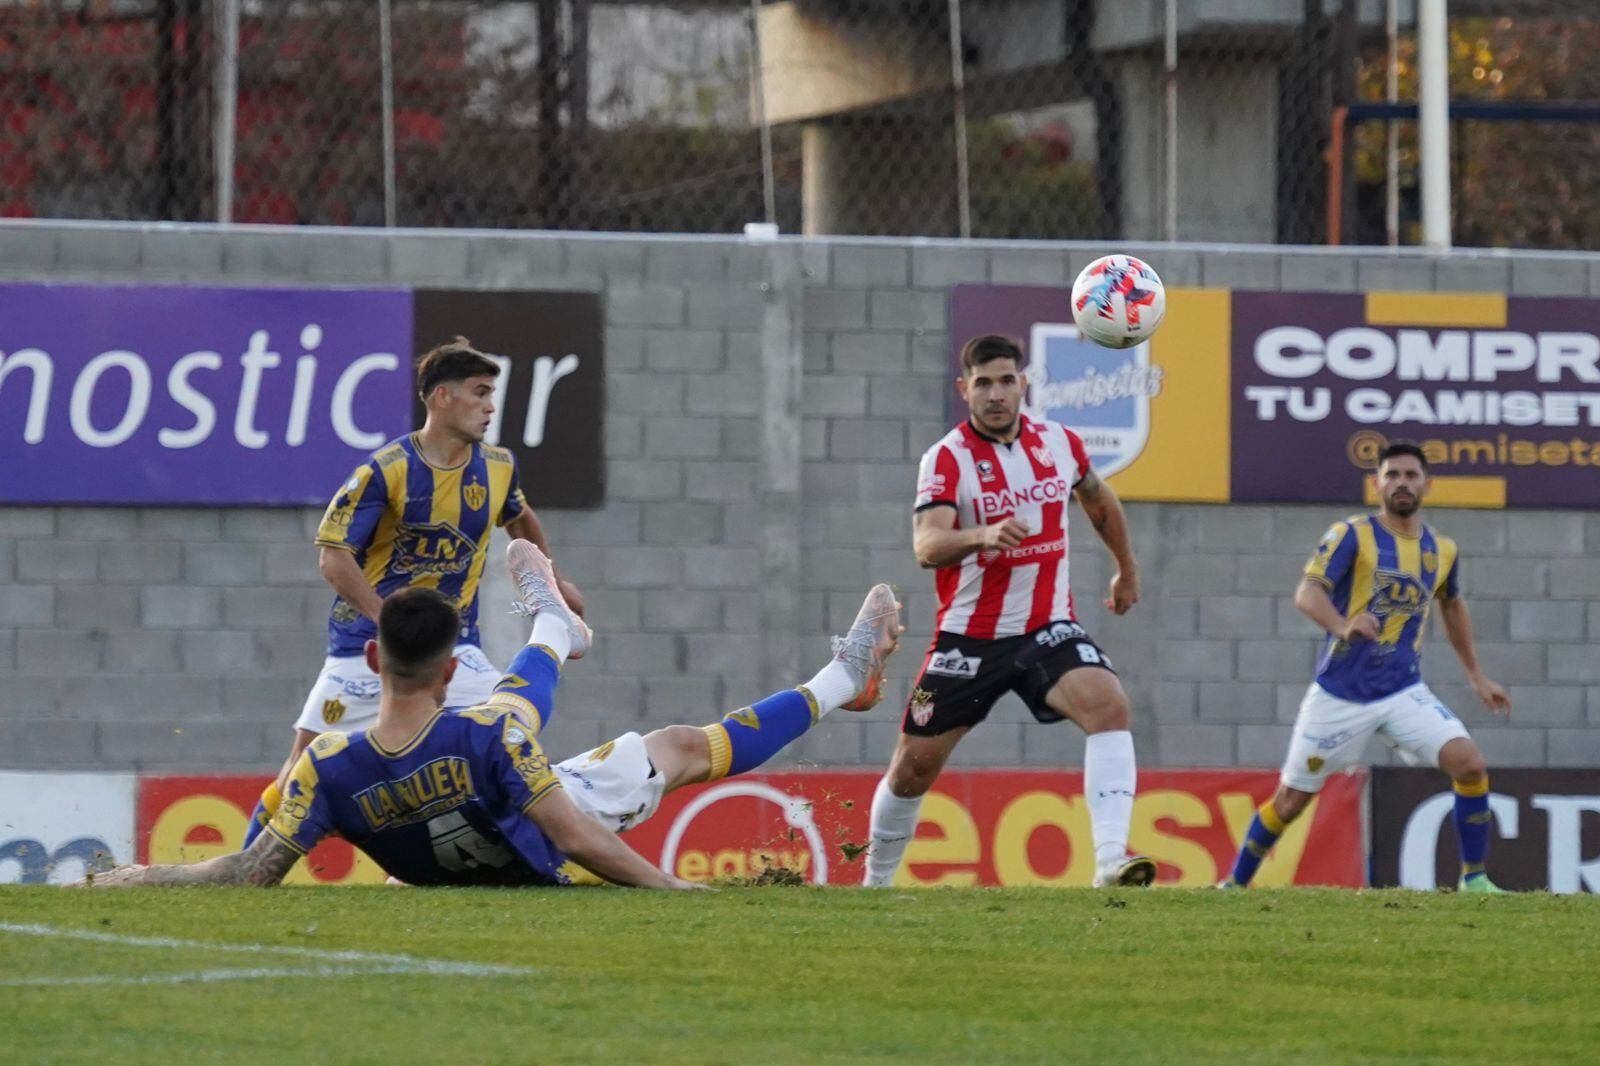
(953, 664)
(1103, 394)
(437, 548)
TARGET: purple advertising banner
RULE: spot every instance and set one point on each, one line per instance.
(180, 395)
(1502, 393)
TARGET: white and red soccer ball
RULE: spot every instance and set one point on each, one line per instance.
(1118, 301)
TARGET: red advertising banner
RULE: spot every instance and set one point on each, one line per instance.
(999, 827)
(191, 819)
(978, 827)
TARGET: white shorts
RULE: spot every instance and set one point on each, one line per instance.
(615, 783)
(1330, 734)
(345, 697)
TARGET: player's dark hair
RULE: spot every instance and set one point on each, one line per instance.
(417, 629)
(988, 348)
(1403, 447)
(456, 361)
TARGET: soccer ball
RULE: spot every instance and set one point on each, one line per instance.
(1118, 301)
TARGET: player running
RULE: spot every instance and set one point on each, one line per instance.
(418, 514)
(467, 799)
(991, 519)
(1370, 585)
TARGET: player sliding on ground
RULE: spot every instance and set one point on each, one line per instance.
(1370, 585)
(464, 799)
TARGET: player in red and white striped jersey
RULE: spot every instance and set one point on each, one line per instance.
(991, 521)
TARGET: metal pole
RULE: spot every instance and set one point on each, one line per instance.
(1433, 126)
(758, 84)
(958, 79)
(386, 58)
(1391, 188)
(1170, 104)
(227, 30)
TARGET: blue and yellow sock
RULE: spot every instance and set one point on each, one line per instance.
(1265, 829)
(530, 686)
(1472, 826)
(748, 737)
(266, 807)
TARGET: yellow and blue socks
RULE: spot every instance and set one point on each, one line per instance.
(529, 684)
(748, 737)
(1472, 820)
(1265, 829)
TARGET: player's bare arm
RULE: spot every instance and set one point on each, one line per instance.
(1458, 628)
(1110, 522)
(1314, 602)
(594, 847)
(265, 863)
(938, 543)
(343, 574)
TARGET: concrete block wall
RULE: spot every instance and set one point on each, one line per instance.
(185, 639)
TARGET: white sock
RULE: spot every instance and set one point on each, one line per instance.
(551, 631)
(834, 686)
(1109, 778)
(894, 823)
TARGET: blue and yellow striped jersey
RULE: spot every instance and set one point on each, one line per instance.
(449, 808)
(1368, 567)
(411, 523)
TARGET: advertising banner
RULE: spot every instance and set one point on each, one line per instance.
(978, 827)
(1546, 829)
(54, 827)
(997, 827)
(175, 395)
(191, 819)
(1154, 417)
(1502, 393)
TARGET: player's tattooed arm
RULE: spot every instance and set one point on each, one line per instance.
(266, 862)
(1104, 509)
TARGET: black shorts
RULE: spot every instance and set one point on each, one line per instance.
(962, 677)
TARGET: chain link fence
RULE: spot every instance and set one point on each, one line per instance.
(1270, 121)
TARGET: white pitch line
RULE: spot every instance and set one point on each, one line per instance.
(205, 976)
(377, 962)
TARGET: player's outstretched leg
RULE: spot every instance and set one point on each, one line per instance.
(748, 737)
(529, 684)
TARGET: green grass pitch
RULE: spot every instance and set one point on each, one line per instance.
(781, 975)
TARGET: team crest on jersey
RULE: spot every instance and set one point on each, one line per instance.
(1430, 561)
(1315, 763)
(921, 706)
(476, 495)
(1041, 455)
(985, 470)
(436, 548)
(332, 711)
(1102, 393)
